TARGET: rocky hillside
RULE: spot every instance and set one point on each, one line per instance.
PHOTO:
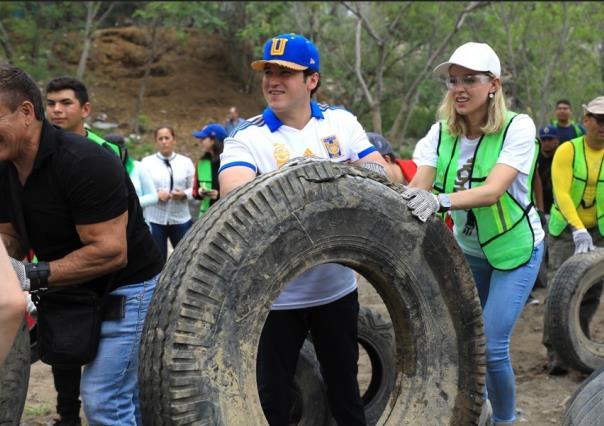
(191, 83)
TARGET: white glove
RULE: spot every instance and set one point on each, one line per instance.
(423, 204)
(19, 268)
(583, 241)
(31, 308)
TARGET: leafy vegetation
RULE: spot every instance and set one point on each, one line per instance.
(376, 57)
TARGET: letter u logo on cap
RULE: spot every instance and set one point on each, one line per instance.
(278, 46)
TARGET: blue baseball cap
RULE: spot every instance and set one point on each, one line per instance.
(381, 143)
(291, 51)
(211, 130)
(549, 131)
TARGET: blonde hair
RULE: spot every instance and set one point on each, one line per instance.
(456, 124)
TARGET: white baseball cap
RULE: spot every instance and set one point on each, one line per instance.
(596, 106)
(474, 56)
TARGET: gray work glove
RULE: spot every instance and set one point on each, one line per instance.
(19, 268)
(583, 241)
(423, 204)
(374, 167)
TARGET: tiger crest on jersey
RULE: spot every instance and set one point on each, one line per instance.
(332, 145)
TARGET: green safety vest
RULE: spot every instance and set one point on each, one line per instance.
(128, 164)
(504, 230)
(557, 221)
(204, 180)
(578, 130)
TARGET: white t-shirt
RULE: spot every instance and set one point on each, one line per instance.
(264, 144)
(518, 151)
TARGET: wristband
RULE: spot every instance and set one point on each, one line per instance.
(38, 274)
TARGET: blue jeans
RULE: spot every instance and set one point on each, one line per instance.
(502, 294)
(161, 233)
(109, 386)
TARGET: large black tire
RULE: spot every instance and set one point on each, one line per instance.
(572, 280)
(586, 405)
(14, 379)
(198, 354)
(376, 336)
(309, 402)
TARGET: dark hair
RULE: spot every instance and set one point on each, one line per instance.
(66, 83)
(164, 127)
(308, 72)
(17, 87)
(563, 101)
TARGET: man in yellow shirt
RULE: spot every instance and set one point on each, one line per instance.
(573, 226)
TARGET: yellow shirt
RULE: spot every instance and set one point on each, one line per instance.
(562, 176)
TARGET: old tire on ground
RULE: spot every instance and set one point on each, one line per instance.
(14, 378)
(198, 354)
(586, 405)
(376, 336)
(309, 400)
(566, 291)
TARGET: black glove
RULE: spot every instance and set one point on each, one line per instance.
(32, 276)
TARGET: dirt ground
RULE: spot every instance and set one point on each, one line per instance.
(542, 398)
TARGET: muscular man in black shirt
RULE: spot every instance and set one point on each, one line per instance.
(72, 203)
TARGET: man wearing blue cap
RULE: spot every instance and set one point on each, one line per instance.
(322, 300)
(205, 181)
(544, 194)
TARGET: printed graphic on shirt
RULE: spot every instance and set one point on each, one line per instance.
(462, 178)
(308, 153)
(332, 145)
(281, 154)
(463, 175)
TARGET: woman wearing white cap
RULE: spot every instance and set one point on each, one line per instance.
(480, 159)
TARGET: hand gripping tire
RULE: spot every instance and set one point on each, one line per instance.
(586, 405)
(575, 277)
(14, 378)
(376, 336)
(198, 353)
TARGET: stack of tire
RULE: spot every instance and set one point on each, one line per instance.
(310, 406)
(198, 353)
(576, 277)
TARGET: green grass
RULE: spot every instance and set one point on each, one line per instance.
(37, 410)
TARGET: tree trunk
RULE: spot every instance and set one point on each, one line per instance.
(87, 40)
(141, 92)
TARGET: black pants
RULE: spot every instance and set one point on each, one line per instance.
(333, 328)
(67, 384)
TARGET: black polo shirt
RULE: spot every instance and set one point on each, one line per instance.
(75, 182)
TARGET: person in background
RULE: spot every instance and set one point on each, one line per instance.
(401, 170)
(12, 304)
(233, 120)
(576, 223)
(544, 195)
(567, 128)
(139, 175)
(205, 183)
(172, 175)
(480, 160)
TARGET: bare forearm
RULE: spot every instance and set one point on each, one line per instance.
(85, 264)
(482, 196)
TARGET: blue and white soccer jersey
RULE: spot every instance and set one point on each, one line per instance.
(264, 144)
